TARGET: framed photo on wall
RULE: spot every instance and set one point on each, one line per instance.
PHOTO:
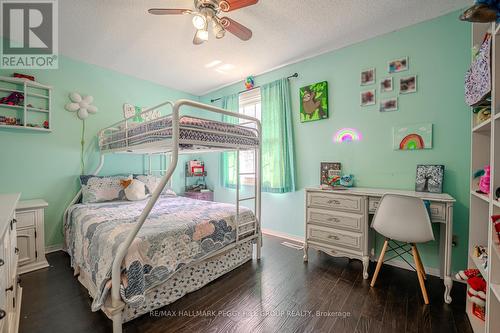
(429, 178)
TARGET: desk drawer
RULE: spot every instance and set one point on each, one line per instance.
(349, 203)
(335, 237)
(335, 219)
(438, 209)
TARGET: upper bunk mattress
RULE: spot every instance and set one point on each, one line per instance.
(178, 232)
(203, 131)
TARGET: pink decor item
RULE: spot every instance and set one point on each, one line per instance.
(484, 181)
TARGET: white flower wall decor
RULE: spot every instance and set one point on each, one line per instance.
(81, 105)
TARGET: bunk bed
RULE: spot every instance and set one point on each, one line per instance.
(107, 263)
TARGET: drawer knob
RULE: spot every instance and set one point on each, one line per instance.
(333, 201)
(11, 288)
(334, 237)
(2, 262)
(333, 219)
(16, 250)
(2, 314)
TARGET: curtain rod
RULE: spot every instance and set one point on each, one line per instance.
(288, 77)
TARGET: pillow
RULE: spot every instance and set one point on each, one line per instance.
(102, 188)
(134, 189)
(151, 183)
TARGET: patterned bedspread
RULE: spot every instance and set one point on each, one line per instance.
(177, 232)
(191, 128)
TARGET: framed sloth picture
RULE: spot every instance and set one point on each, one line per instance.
(314, 102)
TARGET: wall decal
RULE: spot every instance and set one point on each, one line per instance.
(81, 105)
(314, 102)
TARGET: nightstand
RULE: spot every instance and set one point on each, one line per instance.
(30, 235)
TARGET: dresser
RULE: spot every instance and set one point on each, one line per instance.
(30, 235)
(10, 290)
(337, 223)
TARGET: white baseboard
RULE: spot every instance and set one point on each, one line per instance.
(284, 235)
(53, 248)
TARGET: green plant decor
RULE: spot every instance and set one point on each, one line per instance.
(314, 102)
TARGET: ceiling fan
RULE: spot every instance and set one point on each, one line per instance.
(207, 12)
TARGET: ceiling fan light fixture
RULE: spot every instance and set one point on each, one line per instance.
(218, 30)
(199, 21)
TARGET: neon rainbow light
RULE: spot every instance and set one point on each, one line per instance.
(347, 135)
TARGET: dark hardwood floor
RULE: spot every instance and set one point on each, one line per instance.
(273, 295)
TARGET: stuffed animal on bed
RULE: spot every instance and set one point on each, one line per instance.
(134, 189)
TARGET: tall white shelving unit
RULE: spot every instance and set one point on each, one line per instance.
(485, 150)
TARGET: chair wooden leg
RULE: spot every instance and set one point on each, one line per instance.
(420, 265)
(419, 274)
(379, 263)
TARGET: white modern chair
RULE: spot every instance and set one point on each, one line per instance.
(403, 219)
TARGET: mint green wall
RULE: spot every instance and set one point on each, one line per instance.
(439, 52)
(46, 165)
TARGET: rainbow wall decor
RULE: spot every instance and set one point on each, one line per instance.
(346, 135)
(413, 137)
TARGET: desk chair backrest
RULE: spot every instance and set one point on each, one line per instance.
(403, 218)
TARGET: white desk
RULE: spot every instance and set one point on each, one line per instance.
(337, 223)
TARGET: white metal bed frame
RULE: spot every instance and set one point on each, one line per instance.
(173, 147)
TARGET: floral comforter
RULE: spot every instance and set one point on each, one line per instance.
(177, 232)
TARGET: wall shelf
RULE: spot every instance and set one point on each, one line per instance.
(36, 106)
(484, 197)
(479, 265)
(484, 127)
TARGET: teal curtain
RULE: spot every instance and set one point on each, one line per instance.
(228, 160)
(278, 163)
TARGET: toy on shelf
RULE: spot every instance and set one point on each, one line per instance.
(24, 76)
(14, 98)
(46, 124)
(483, 114)
(467, 274)
(476, 292)
(484, 180)
(249, 83)
(12, 121)
(496, 225)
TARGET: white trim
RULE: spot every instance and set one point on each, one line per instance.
(283, 235)
(53, 248)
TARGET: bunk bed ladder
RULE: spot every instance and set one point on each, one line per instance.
(239, 199)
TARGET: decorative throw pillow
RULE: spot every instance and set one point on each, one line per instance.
(134, 189)
(151, 183)
(102, 188)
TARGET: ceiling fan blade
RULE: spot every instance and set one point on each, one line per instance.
(236, 28)
(229, 5)
(171, 11)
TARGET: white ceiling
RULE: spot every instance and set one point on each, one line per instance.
(120, 35)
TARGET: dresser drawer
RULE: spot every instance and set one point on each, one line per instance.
(335, 219)
(349, 203)
(335, 237)
(26, 218)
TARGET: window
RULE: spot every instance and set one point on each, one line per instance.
(250, 105)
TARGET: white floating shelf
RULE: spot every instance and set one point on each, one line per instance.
(15, 127)
(484, 197)
(484, 127)
(479, 265)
